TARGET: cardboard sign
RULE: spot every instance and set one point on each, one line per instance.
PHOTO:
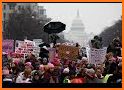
(97, 56)
(69, 52)
(7, 46)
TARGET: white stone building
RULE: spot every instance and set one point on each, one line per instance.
(77, 32)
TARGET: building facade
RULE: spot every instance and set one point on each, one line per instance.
(9, 8)
(41, 14)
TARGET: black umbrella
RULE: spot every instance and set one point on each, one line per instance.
(44, 44)
(54, 27)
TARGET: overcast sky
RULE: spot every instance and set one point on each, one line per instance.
(95, 16)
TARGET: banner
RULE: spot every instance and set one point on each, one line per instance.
(69, 52)
(7, 46)
(24, 47)
(97, 56)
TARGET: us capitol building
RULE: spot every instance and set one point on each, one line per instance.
(77, 32)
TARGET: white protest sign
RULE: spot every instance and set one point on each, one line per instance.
(30, 44)
(97, 56)
(20, 44)
(36, 49)
(24, 47)
(37, 42)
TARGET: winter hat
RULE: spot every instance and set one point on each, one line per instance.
(50, 65)
(29, 64)
(89, 66)
(66, 80)
(90, 72)
(4, 53)
(36, 73)
(16, 61)
(66, 70)
(45, 47)
(77, 80)
(38, 58)
(56, 61)
(32, 73)
(113, 59)
(84, 59)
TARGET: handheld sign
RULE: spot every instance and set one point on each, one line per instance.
(97, 56)
(69, 52)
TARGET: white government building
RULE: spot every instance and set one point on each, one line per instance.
(77, 32)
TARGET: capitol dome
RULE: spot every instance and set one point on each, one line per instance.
(77, 31)
(77, 23)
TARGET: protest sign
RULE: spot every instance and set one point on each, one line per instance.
(36, 49)
(7, 46)
(29, 44)
(20, 44)
(24, 47)
(69, 52)
(37, 42)
(97, 56)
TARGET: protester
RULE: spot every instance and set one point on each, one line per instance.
(43, 69)
(43, 52)
(24, 77)
(36, 77)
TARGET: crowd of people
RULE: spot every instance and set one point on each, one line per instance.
(41, 69)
